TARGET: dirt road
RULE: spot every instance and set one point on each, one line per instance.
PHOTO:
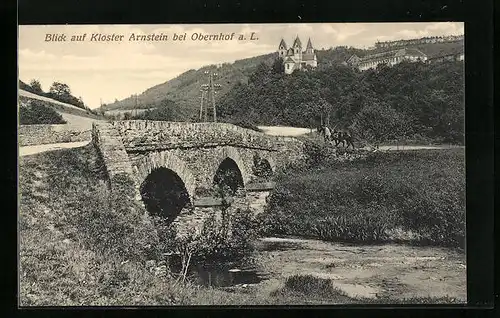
(284, 131)
(31, 150)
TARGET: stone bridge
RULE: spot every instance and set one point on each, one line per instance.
(192, 156)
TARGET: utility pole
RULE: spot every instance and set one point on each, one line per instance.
(136, 104)
(211, 88)
(202, 90)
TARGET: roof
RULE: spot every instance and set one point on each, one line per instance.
(297, 42)
(309, 44)
(308, 57)
(353, 58)
(453, 51)
(289, 60)
(289, 51)
(414, 52)
(283, 44)
(393, 53)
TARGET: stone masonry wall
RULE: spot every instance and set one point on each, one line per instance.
(197, 166)
(29, 135)
(108, 141)
(143, 135)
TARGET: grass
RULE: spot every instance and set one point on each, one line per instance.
(82, 245)
(416, 197)
(74, 247)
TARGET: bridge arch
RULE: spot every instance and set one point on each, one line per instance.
(233, 154)
(270, 160)
(164, 194)
(164, 159)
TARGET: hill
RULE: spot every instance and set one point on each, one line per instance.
(408, 100)
(184, 90)
(44, 110)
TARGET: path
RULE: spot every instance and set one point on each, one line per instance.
(31, 150)
(47, 99)
(284, 131)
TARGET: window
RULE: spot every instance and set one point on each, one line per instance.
(288, 66)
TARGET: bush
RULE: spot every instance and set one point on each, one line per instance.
(82, 244)
(36, 112)
(420, 192)
(228, 240)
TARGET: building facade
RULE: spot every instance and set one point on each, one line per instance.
(455, 55)
(388, 58)
(425, 40)
(294, 58)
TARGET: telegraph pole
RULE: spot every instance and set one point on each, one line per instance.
(201, 103)
(211, 88)
(136, 104)
(213, 99)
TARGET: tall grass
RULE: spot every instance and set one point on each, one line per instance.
(416, 196)
(82, 244)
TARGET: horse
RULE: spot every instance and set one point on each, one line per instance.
(344, 137)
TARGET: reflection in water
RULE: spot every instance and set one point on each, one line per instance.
(224, 277)
(221, 275)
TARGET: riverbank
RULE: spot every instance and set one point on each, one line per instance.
(356, 274)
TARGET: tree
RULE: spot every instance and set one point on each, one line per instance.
(378, 122)
(278, 67)
(60, 90)
(36, 86)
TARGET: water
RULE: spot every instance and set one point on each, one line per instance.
(225, 276)
(220, 274)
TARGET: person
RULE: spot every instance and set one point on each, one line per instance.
(327, 133)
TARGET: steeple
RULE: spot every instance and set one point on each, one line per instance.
(297, 43)
(282, 45)
(309, 44)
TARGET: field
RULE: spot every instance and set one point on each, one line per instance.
(81, 245)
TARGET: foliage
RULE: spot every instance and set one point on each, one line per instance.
(390, 102)
(58, 91)
(62, 92)
(167, 110)
(80, 244)
(184, 90)
(420, 193)
(36, 86)
(379, 122)
(36, 112)
(229, 239)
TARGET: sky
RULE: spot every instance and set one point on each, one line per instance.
(109, 70)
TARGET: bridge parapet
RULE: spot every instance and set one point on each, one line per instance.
(108, 142)
(143, 135)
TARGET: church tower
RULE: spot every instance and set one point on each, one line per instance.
(309, 48)
(297, 49)
(282, 48)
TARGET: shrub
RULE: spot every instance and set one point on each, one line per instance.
(80, 243)
(421, 192)
(36, 112)
(226, 241)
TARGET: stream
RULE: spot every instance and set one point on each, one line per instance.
(394, 271)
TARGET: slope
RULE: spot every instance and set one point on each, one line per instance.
(77, 118)
(184, 90)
